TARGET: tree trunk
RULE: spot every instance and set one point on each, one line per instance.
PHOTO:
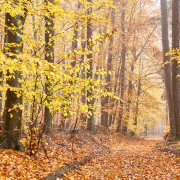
(167, 113)
(146, 130)
(83, 44)
(122, 73)
(175, 68)
(137, 102)
(130, 89)
(49, 56)
(74, 41)
(12, 119)
(104, 114)
(1, 104)
(90, 101)
(1, 83)
(167, 67)
(115, 89)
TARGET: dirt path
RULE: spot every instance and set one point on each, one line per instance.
(154, 138)
(131, 159)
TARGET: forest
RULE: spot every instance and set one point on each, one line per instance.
(89, 89)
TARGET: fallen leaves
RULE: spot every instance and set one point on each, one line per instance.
(132, 159)
(128, 159)
(19, 165)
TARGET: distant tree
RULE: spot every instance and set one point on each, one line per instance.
(122, 72)
(106, 100)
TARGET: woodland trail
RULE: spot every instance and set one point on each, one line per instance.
(154, 138)
(131, 159)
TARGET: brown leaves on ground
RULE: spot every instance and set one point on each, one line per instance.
(19, 165)
(130, 158)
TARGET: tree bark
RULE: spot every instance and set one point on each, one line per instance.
(1, 83)
(90, 100)
(74, 41)
(104, 114)
(122, 73)
(49, 56)
(117, 77)
(137, 102)
(12, 119)
(175, 68)
(83, 44)
(130, 92)
(167, 67)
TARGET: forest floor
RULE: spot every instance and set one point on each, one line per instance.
(115, 157)
(131, 158)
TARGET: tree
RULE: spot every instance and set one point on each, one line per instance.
(167, 66)
(83, 44)
(106, 100)
(138, 38)
(175, 68)
(90, 99)
(13, 46)
(122, 72)
(49, 56)
(138, 96)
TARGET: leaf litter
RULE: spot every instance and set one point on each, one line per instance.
(19, 165)
(129, 158)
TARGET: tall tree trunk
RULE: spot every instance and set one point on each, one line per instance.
(115, 90)
(1, 104)
(122, 74)
(74, 41)
(83, 44)
(167, 67)
(49, 56)
(175, 68)
(74, 46)
(1, 74)
(167, 113)
(12, 119)
(104, 114)
(35, 31)
(130, 89)
(90, 101)
(137, 102)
